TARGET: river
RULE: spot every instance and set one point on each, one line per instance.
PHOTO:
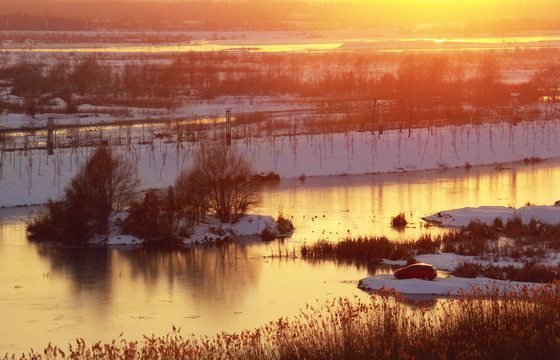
(274, 42)
(54, 294)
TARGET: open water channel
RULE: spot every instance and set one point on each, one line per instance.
(54, 294)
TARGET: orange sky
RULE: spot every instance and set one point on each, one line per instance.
(374, 12)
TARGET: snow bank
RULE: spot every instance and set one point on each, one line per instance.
(440, 286)
(214, 230)
(29, 179)
(194, 110)
(487, 214)
(450, 261)
(207, 233)
(442, 261)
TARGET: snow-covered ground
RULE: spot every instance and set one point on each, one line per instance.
(34, 177)
(192, 111)
(487, 215)
(450, 261)
(204, 234)
(442, 286)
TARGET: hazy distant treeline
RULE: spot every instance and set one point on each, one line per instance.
(442, 16)
(422, 80)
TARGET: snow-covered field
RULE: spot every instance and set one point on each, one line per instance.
(192, 111)
(36, 177)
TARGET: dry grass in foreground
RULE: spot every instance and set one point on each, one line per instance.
(523, 325)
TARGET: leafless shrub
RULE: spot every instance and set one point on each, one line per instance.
(105, 182)
(192, 203)
(108, 179)
(226, 180)
(155, 218)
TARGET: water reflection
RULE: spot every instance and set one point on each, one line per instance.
(100, 292)
(87, 268)
(194, 47)
(223, 272)
(336, 206)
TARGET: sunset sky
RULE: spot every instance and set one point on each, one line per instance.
(443, 16)
(435, 8)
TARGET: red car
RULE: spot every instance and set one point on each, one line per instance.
(417, 271)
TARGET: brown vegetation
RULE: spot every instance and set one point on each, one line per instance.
(399, 221)
(155, 219)
(106, 182)
(424, 87)
(523, 324)
(227, 181)
(370, 248)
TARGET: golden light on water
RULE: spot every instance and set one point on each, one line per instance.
(300, 44)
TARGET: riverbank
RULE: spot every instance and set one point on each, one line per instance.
(210, 233)
(33, 177)
(484, 325)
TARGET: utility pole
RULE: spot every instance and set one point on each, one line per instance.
(374, 107)
(380, 104)
(228, 127)
(515, 117)
(50, 130)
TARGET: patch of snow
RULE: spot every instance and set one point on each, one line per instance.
(114, 234)
(487, 214)
(213, 230)
(59, 103)
(441, 286)
(206, 233)
(253, 225)
(442, 261)
(10, 121)
(450, 261)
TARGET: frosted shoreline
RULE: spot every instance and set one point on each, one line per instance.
(35, 178)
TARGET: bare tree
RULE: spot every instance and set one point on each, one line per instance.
(226, 180)
(192, 203)
(488, 75)
(105, 182)
(488, 80)
(109, 180)
(547, 81)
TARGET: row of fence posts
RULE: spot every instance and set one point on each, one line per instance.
(378, 107)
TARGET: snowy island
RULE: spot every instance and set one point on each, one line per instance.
(450, 261)
(487, 214)
(441, 286)
(209, 233)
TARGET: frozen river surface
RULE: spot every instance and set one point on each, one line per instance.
(58, 294)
